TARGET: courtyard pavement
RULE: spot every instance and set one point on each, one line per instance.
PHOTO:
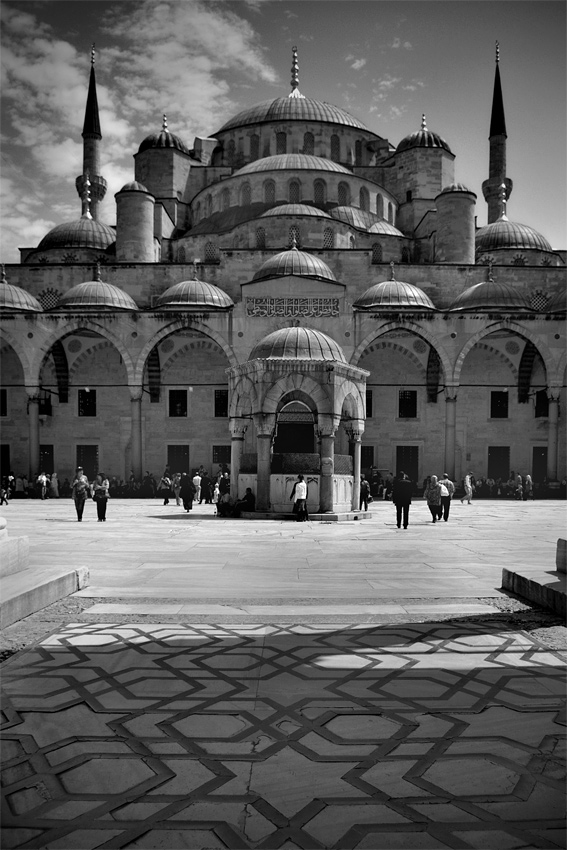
(253, 684)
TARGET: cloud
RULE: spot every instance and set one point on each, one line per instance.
(397, 43)
(358, 64)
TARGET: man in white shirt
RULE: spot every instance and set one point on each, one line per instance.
(197, 485)
(447, 490)
(300, 504)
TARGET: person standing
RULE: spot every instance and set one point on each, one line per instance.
(54, 486)
(176, 487)
(197, 485)
(447, 490)
(79, 492)
(164, 488)
(401, 497)
(433, 497)
(206, 489)
(42, 485)
(101, 489)
(299, 493)
(467, 484)
(528, 488)
(187, 492)
(364, 493)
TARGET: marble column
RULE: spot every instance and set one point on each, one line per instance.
(33, 433)
(136, 432)
(552, 436)
(264, 445)
(237, 430)
(355, 439)
(326, 501)
(450, 431)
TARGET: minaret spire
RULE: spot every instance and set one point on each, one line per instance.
(92, 137)
(492, 188)
(295, 76)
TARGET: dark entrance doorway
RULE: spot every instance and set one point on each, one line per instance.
(498, 462)
(539, 463)
(407, 460)
(295, 432)
(178, 459)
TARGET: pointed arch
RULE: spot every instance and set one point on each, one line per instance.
(418, 330)
(513, 327)
(295, 381)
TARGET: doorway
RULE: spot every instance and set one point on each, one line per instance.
(407, 460)
(498, 462)
(539, 463)
(87, 457)
(178, 459)
(295, 431)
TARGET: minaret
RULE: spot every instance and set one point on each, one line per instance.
(492, 188)
(91, 148)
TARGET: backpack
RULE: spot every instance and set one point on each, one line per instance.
(444, 491)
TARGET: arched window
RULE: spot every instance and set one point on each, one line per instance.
(358, 152)
(352, 242)
(391, 213)
(294, 236)
(260, 238)
(246, 195)
(319, 192)
(328, 238)
(269, 192)
(254, 146)
(364, 199)
(376, 252)
(294, 192)
(211, 252)
(235, 242)
(181, 255)
(343, 195)
(335, 148)
(281, 143)
(379, 205)
(405, 254)
(209, 205)
(225, 199)
(308, 144)
(231, 152)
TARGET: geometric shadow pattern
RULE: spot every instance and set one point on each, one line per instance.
(426, 735)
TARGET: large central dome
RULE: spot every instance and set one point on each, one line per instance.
(292, 109)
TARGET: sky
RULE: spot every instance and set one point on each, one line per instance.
(201, 61)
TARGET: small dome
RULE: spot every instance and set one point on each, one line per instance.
(423, 138)
(292, 162)
(490, 295)
(384, 228)
(13, 297)
(194, 293)
(455, 187)
(292, 109)
(133, 186)
(294, 262)
(297, 344)
(508, 234)
(354, 216)
(558, 303)
(83, 233)
(97, 295)
(394, 295)
(296, 209)
(163, 139)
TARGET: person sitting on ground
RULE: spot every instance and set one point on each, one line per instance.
(247, 503)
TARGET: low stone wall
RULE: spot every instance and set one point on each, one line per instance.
(282, 485)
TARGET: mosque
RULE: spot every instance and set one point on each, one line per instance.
(291, 293)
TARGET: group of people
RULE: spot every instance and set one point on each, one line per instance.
(81, 490)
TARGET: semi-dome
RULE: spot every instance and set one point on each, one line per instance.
(194, 293)
(423, 138)
(13, 297)
(163, 139)
(384, 228)
(83, 233)
(98, 295)
(558, 303)
(490, 295)
(292, 109)
(394, 295)
(297, 344)
(294, 262)
(503, 233)
(292, 162)
(296, 209)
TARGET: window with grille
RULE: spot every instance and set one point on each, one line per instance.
(308, 144)
(328, 238)
(269, 192)
(260, 238)
(391, 213)
(364, 199)
(294, 235)
(46, 459)
(294, 192)
(380, 205)
(366, 457)
(87, 402)
(231, 151)
(519, 260)
(197, 211)
(177, 403)
(377, 253)
(405, 255)
(541, 404)
(181, 255)
(498, 405)
(319, 192)
(3, 402)
(221, 403)
(87, 457)
(281, 143)
(352, 242)
(49, 298)
(211, 252)
(45, 408)
(369, 411)
(225, 199)
(246, 195)
(254, 147)
(221, 454)
(335, 148)
(343, 194)
(407, 404)
(358, 152)
(538, 300)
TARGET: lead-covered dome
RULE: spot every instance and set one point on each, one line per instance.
(134, 186)
(96, 295)
(490, 295)
(503, 233)
(394, 295)
(297, 344)
(164, 139)
(194, 293)
(384, 228)
(83, 233)
(558, 303)
(13, 297)
(423, 138)
(292, 109)
(296, 209)
(292, 162)
(297, 263)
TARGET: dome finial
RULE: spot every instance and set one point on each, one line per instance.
(503, 200)
(86, 196)
(423, 122)
(164, 123)
(497, 52)
(93, 53)
(489, 275)
(295, 76)
(392, 264)
(195, 262)
(4, 279)
(294, 240)
(97, 272)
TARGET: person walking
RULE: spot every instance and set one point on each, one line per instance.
(206, 489)
(401, 497)
(528, 488)
(447, 490)
(299, 494)
(432, 495)
(54, 486)
(365, 496)
(176, 487)
(101, 495)
(197, 484)
(187, 492)
(79, 492)
(467, 484)
(164, 488)
(42, 485)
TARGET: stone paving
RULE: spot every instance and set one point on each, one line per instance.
(321, 734)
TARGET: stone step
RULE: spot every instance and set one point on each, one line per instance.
(30, 590)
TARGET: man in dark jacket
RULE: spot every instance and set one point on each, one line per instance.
(401, 497)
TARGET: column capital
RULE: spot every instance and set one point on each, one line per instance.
(238, 428)
(553, 394)
(265, 424)
(34, 393)
(451, 394)
(136, 393)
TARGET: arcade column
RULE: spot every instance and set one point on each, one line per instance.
(33, 432)
(265, 425)
(450, 431)
(355, 439)
(136, 431)
(552, 435)
(326, 503)
(238, 430)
